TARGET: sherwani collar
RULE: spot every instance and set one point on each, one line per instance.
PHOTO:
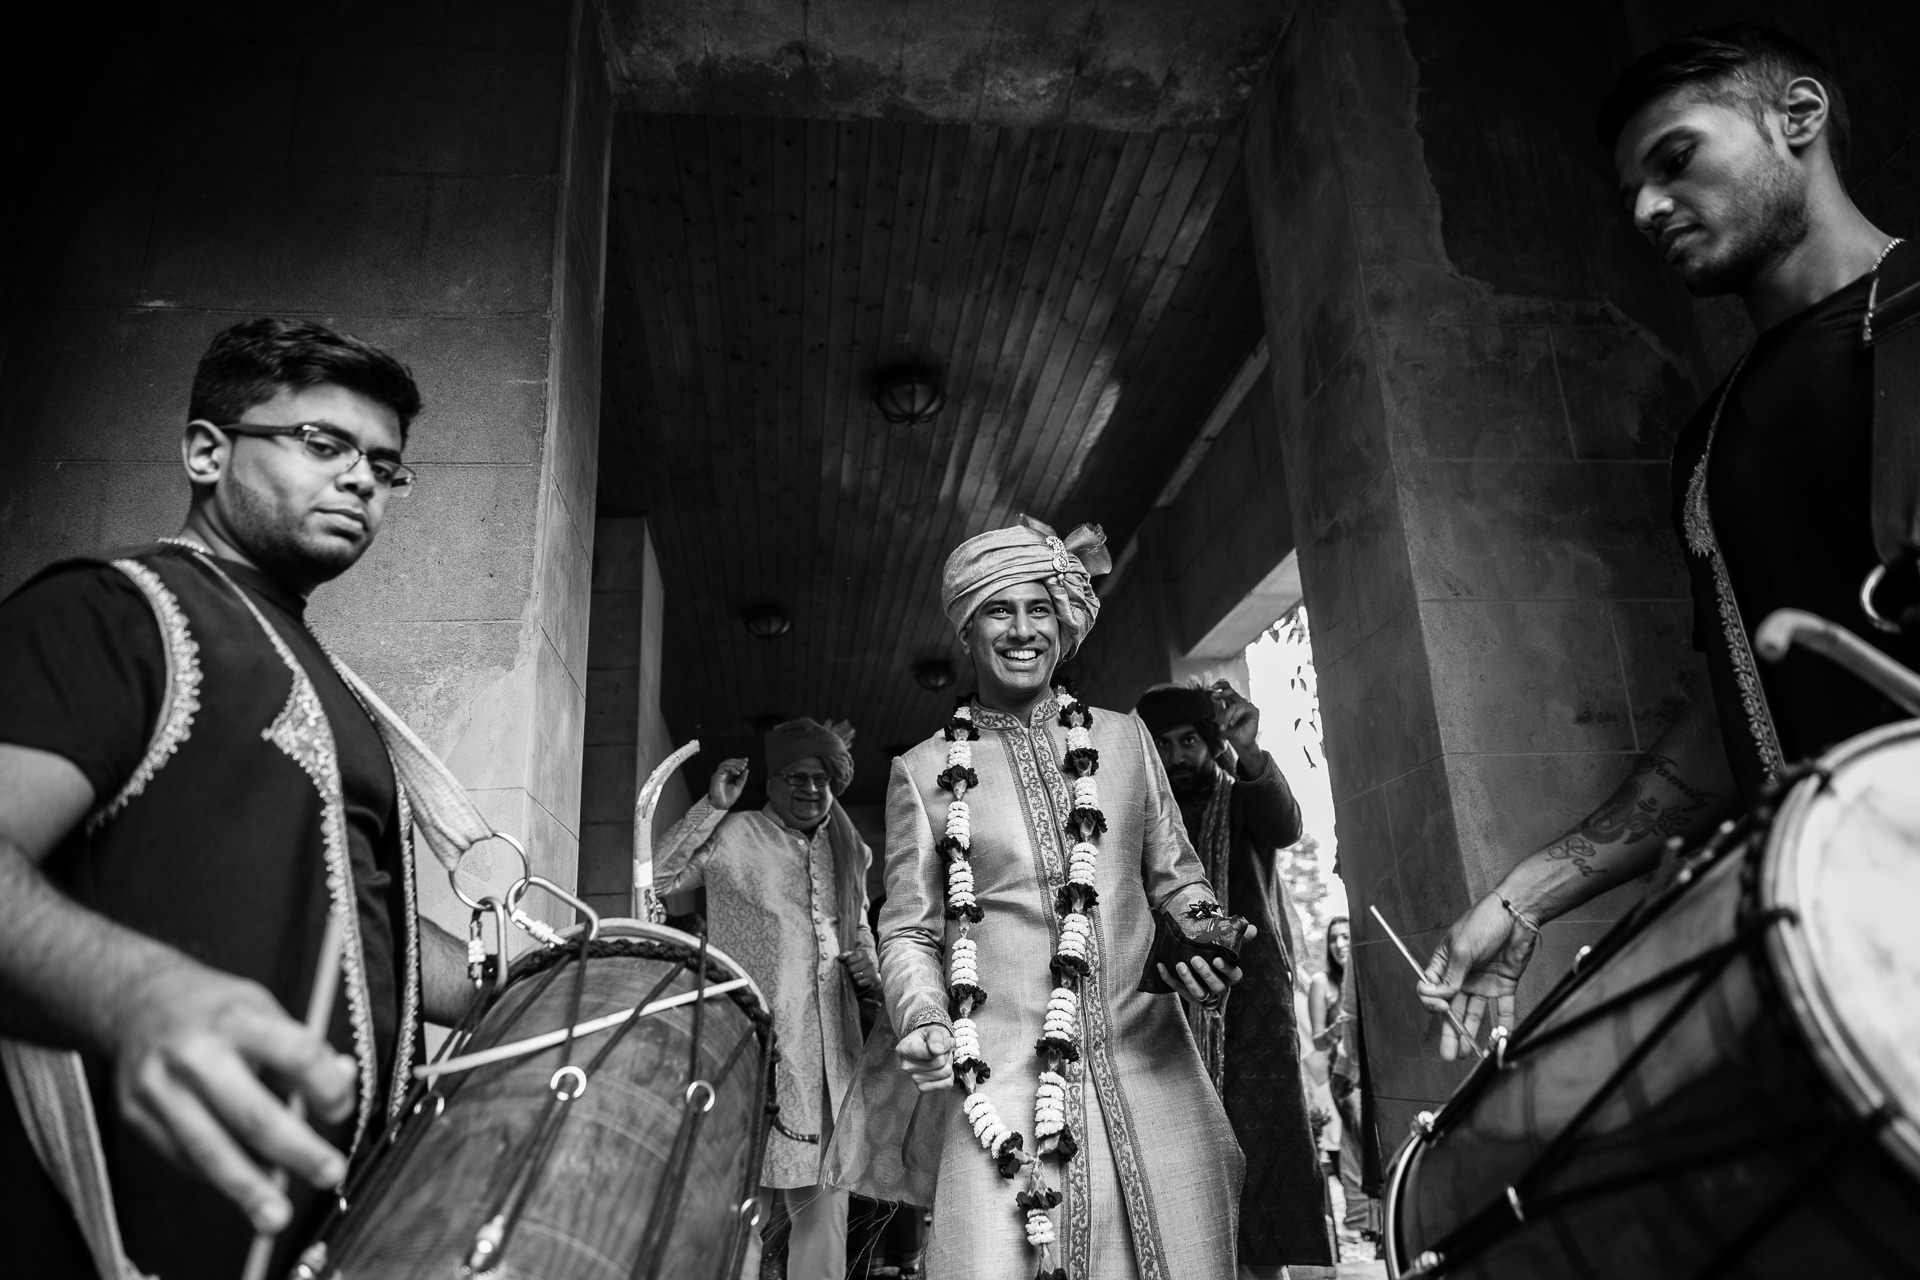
(986, 717)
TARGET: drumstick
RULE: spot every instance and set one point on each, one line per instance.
(592, 1026)
(326, 984)
(1421, 974)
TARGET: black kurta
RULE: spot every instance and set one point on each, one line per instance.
(1283, 1202)
(1786, 487)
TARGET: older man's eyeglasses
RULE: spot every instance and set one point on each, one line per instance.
(806, 781)
(325, 445)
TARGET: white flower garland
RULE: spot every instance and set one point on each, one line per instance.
(1059, 1042)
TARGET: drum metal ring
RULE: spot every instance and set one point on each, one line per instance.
(453, 876)
(579, 1078)
(750, 1210)
(439, 1104)
(1875, 576)
(1498, 1037)
(518, 893)
(699, 1086)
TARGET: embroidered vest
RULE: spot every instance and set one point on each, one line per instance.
(229, 843)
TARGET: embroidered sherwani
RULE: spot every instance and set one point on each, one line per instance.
(771, 906)
(1155, 1190)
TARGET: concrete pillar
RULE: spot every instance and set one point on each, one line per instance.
(626, 736)
(431, 179)
(1477, 377)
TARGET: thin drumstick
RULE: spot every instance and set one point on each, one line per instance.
(1421, 974)
(326, 986)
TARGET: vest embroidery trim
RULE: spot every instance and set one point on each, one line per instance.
(301, 730)
(1702, 541)
(181, 700)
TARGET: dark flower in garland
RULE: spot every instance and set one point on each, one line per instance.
(1042, 1197)
(1069, 898)
(956, 774)
(961, 721)
(1009, 1156)
(1086, 822)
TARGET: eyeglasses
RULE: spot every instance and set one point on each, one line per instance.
(325, 444)
(806, 781)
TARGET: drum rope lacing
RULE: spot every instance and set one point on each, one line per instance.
(541, 968)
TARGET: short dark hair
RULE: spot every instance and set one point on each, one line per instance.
(256, 360)
(1744, 66)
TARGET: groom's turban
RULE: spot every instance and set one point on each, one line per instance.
(988, 563)
(796, 740)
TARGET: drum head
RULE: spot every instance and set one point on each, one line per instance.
(624, 927)
(1845, 858)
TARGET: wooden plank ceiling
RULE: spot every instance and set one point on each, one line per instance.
(1084, 295)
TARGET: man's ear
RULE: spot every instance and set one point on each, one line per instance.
(1804, 109)
(204, 451)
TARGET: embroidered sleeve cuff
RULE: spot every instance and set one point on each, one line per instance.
(927, 1018)
(1197, 888)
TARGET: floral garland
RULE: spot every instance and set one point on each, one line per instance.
(1059, 1042)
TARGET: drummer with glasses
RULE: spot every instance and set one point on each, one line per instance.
(1730, 147)
(786, 898)
(190, 788)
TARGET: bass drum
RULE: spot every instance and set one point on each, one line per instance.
(632, 1152)
(1727, 1086)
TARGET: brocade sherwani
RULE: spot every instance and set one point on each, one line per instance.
(1155, 1190)
(771, 906)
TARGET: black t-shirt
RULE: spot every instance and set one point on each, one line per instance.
(84, 675)
(1788, 487)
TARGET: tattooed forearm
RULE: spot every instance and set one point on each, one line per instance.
(1655, 801)
(1576, 850)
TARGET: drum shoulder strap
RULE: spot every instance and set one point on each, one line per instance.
(1893, 332)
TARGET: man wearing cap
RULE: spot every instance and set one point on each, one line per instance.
(1029, 846)
(786, 897)
(1239, 811)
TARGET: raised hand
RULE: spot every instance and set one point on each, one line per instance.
(1477, 968)
(1239, 720)
(728, 781)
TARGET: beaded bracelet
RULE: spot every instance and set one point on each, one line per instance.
(1519, 916)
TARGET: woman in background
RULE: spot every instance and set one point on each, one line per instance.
(1334, 1008)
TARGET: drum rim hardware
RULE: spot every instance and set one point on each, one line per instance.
(1836, 1051)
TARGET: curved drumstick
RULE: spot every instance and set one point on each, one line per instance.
(1784, 628)
(645, 905)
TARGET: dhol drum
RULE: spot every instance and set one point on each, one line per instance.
(1727, 1085)
(631, 1149)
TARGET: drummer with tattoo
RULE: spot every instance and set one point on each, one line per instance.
(189, 789)
(1731, 149)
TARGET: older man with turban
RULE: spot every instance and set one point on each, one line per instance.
(786, 897)
(1030, 845)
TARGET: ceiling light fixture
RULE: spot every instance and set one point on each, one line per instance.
(934, 674)
(768, 621)
(907, 397)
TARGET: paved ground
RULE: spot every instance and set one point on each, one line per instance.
(1363, 1271)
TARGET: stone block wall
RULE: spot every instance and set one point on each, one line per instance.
(1477, 378)
(1197, 559)
(626, 736)
(432, 183)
